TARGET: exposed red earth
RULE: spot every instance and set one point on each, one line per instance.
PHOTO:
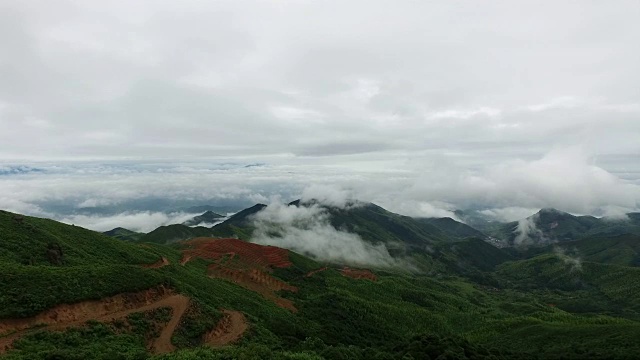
(246, 264)
(255, 254)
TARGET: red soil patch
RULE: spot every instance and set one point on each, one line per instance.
(229, 329)
(311, 273)
(258, 255)
(358, 274)
(254, 280)
(245, 264)
(158, 264)
(108, 309)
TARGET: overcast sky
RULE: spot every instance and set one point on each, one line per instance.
(423, 106)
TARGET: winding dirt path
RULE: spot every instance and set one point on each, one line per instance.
(229, 329)
(161, 345)
(117, 307)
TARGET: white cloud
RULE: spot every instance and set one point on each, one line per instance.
(307, 230)
(509, 214)
(135, 221)
(527, 233)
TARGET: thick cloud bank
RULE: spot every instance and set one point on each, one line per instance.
(307, 230)
(569, 179)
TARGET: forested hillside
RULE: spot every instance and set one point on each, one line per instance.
(73, 293)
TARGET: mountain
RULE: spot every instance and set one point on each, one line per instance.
(616, 250)
(72, 293)
(454, 228)
(551, 225)
(377, 225)
(208, 217)
(173, 233)
(239, 224)
(373, 223)
(124, 234)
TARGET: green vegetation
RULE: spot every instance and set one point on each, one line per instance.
(454, 229)
(124, 234)
(559, 226)
(459, 298)
(174, 233)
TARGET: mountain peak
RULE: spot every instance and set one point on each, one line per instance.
(550, 211)
(207, 217)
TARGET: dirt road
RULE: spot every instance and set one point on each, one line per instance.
(230, 328)
(105, 310)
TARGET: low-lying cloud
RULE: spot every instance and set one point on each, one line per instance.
(145, 221)
(307, 230)
(527, 232)
(566, 178)
(571, 259)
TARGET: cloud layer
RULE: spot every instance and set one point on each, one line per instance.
(423, 107)
(484, 81)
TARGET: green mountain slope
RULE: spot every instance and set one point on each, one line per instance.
(124, 234)
(44, 262)
(617, 250)
(174, 233)
(548, 306)
(238, 225)
(373, 223)
(552, 225)
(454, 229)
(34, 241)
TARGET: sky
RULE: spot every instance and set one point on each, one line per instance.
(116, 111)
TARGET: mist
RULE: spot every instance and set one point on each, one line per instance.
(307, 230)
(145, 221)
(527, 233)
(570, 259)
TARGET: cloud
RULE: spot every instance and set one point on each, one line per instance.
(307, 230)
(615, 213)
(328, 195)
(419, 119)
(136, 221)
(572, 260)
(509, 214)
(423, 209)
(565, 178)
(220, 79)
(527, 232)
